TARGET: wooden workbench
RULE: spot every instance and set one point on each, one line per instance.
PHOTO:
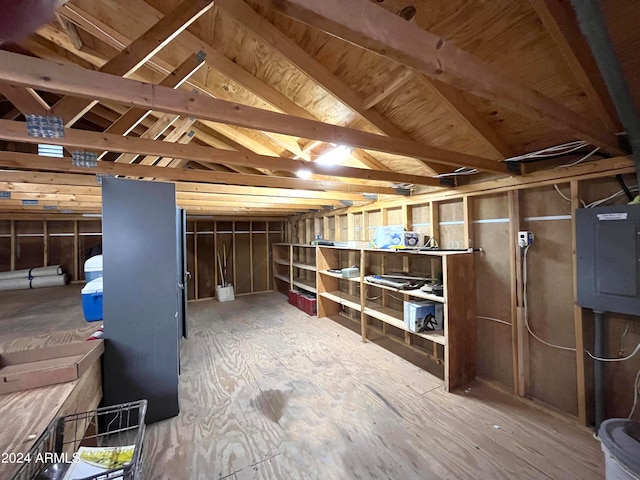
(27, 413)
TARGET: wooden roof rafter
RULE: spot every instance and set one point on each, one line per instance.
(137, 53)
(268, 33)
(83, 83)
(221, 63)
(50, 182)
(84, 139)
(576, 51)
(24, 161)
(357, 22)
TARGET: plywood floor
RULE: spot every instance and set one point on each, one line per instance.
(267, 392)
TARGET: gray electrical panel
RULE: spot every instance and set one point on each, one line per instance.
(607, 243)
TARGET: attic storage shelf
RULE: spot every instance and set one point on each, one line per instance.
(379, 308)
(294, 265)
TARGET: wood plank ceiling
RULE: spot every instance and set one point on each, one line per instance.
(230, 99)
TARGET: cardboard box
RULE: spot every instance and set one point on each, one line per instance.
(423, 316)
(47, 366)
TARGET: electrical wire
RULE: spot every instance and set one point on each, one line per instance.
(562, 149)
(567, 198)
(635, 351)
(597, 203)
(636, 387)
(624, 334)
(366, 295)
(580, 160)
(457, 172)
(526, 313)
(493, 319)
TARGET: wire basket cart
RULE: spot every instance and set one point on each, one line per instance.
(111, 437)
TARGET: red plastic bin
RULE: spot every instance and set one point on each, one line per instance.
(293, 297)
(309, 304)
(300, 300)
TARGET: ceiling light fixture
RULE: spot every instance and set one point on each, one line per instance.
(334, 156)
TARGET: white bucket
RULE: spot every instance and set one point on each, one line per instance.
(224, 294)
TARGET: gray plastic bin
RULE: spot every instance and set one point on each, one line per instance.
(621, 452)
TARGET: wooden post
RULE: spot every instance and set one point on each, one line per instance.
(577, 311)
(251, 255)
(363, 300)
(365, 226)
(13, 245)
(45, 239)
(351, 234)
(434, 221)
(267, 256)
(215, 250)
(76, 254)
(468, 221)
(195, 260)
(325, 228)
(233, 247)
(519, 337)
(308, 223)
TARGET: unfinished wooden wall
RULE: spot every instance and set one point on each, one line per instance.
(507, 355)
(36, 243)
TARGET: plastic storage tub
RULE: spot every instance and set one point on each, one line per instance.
(621, 451)
(293, 297)
(92, 300)
(93, 268)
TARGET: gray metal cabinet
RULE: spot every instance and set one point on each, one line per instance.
(142, 295)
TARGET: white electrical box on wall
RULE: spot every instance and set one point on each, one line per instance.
(525, 238)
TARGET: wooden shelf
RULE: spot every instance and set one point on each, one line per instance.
(424, 295)
(413, 293)
(284, 278)
(304, 266)
(339, 276)
(343, 298)
(305, 284)
(458, 301)
(393, 317)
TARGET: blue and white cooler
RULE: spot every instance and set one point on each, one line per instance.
(93, 268)
(92, 300)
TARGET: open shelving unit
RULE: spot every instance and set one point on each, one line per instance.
(294, 266)
(382, 313)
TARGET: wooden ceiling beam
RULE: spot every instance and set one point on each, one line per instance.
(216, 60)
(185, 199)
(177, 77)
(71, 109)
(43, 182)
(96, 28)
(72, 32)
(358, 22)
(188, 205)
(576, 51)
(32, 72)
(25, 161)
(181, 127)
(153, 132)
(297, 56)
(85, 139)
(184, 138)
(26, 100)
